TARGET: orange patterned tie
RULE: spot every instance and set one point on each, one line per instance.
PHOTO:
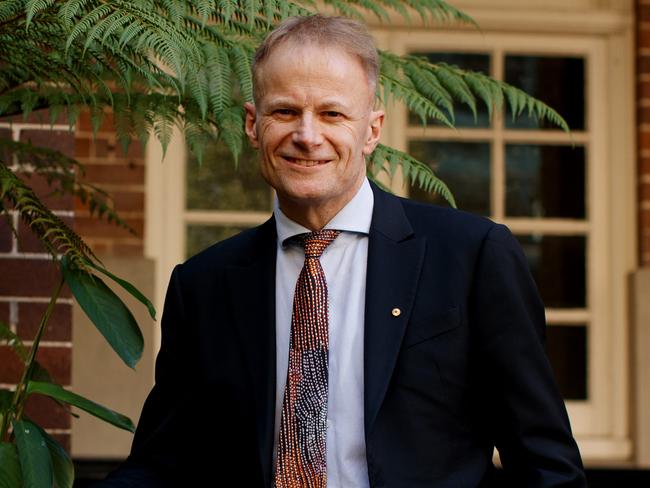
(302, 461)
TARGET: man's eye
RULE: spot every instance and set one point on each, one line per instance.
(284, 111)
(332, 114)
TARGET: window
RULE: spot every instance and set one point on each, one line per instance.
(221, 198)
(527, 174)
(549, 188)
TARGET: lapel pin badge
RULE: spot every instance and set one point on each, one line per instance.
(396, 312)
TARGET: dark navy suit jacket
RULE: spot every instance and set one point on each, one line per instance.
(462, 369)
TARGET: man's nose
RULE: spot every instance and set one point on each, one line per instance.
(308, 133)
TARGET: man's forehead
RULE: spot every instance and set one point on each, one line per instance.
(299, 51)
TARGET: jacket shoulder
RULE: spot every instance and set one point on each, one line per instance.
(450, 223)
(237, 250)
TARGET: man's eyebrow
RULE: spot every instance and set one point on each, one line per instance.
(332, 105)
(282, 102)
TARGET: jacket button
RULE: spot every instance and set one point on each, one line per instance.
(396, 312)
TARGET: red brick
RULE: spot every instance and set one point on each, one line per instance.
(27, 240)
(59, 140)
(128, 174)
(82, 146)
(644, 226)
(84, 122)
(47, 413)
(135, 150)
(103, 148)
(129, 201)
(643, 38)
(57, 360)
(644, 166)
(644, 139)
(91, 227)
(29, 277)
(100, 246)
(59, 327)
(121, 249)
(12, 367)
(644, 191)
(643, 115)
(4, 313)
(37, 117)
(4, 155)
(643, 12)
(6, 235)
(44, 191)
(643, 64)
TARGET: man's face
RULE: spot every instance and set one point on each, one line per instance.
(313, 124)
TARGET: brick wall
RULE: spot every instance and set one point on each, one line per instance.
(122, 176)
(28, 278)
(643, 114)
(28, 274)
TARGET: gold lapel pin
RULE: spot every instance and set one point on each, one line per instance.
(396, 312)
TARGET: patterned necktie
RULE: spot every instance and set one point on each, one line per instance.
(302, 458)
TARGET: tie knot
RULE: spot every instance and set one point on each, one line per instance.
(316, 242)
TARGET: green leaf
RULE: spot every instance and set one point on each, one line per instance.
(107, 312)
(13, 341)
(6, 396)
(62, 466)
(10, 476)
(35, 462)
(99, 411)
(137, 294)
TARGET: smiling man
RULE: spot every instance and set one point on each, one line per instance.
(355, 339)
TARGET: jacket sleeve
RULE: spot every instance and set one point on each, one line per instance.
(528, 419)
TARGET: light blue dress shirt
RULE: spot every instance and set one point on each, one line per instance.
(344, 263)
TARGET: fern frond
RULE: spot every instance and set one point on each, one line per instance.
(219, 78)
(388, 159)
(63, 175)
(436, 10)
(10, 9)
(13, 341)
(32, 7)
(54, 234)
(231, 132)
(240, 60)
(227, 8)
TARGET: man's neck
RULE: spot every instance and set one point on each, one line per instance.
(315, 215)
(312, 217)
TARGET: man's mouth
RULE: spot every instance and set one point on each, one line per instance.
(306, 162)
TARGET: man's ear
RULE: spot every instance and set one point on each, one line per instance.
(375, 124)
(250, 127)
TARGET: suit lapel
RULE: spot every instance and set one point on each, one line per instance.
(252, 288)
(395, 259)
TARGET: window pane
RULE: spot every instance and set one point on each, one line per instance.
(200, 237)
(463, 166)
(566, 346)
(464, 117)
(218, 185)
(557, 81)
(545, 181)
(558, 266)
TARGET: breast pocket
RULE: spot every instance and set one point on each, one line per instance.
(423, 329)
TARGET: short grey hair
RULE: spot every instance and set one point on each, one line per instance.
(350, 35)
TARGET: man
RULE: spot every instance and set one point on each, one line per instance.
(406, 349)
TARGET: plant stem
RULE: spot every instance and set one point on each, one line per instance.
(18, 402)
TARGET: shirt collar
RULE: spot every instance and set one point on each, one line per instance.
(354, 217)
